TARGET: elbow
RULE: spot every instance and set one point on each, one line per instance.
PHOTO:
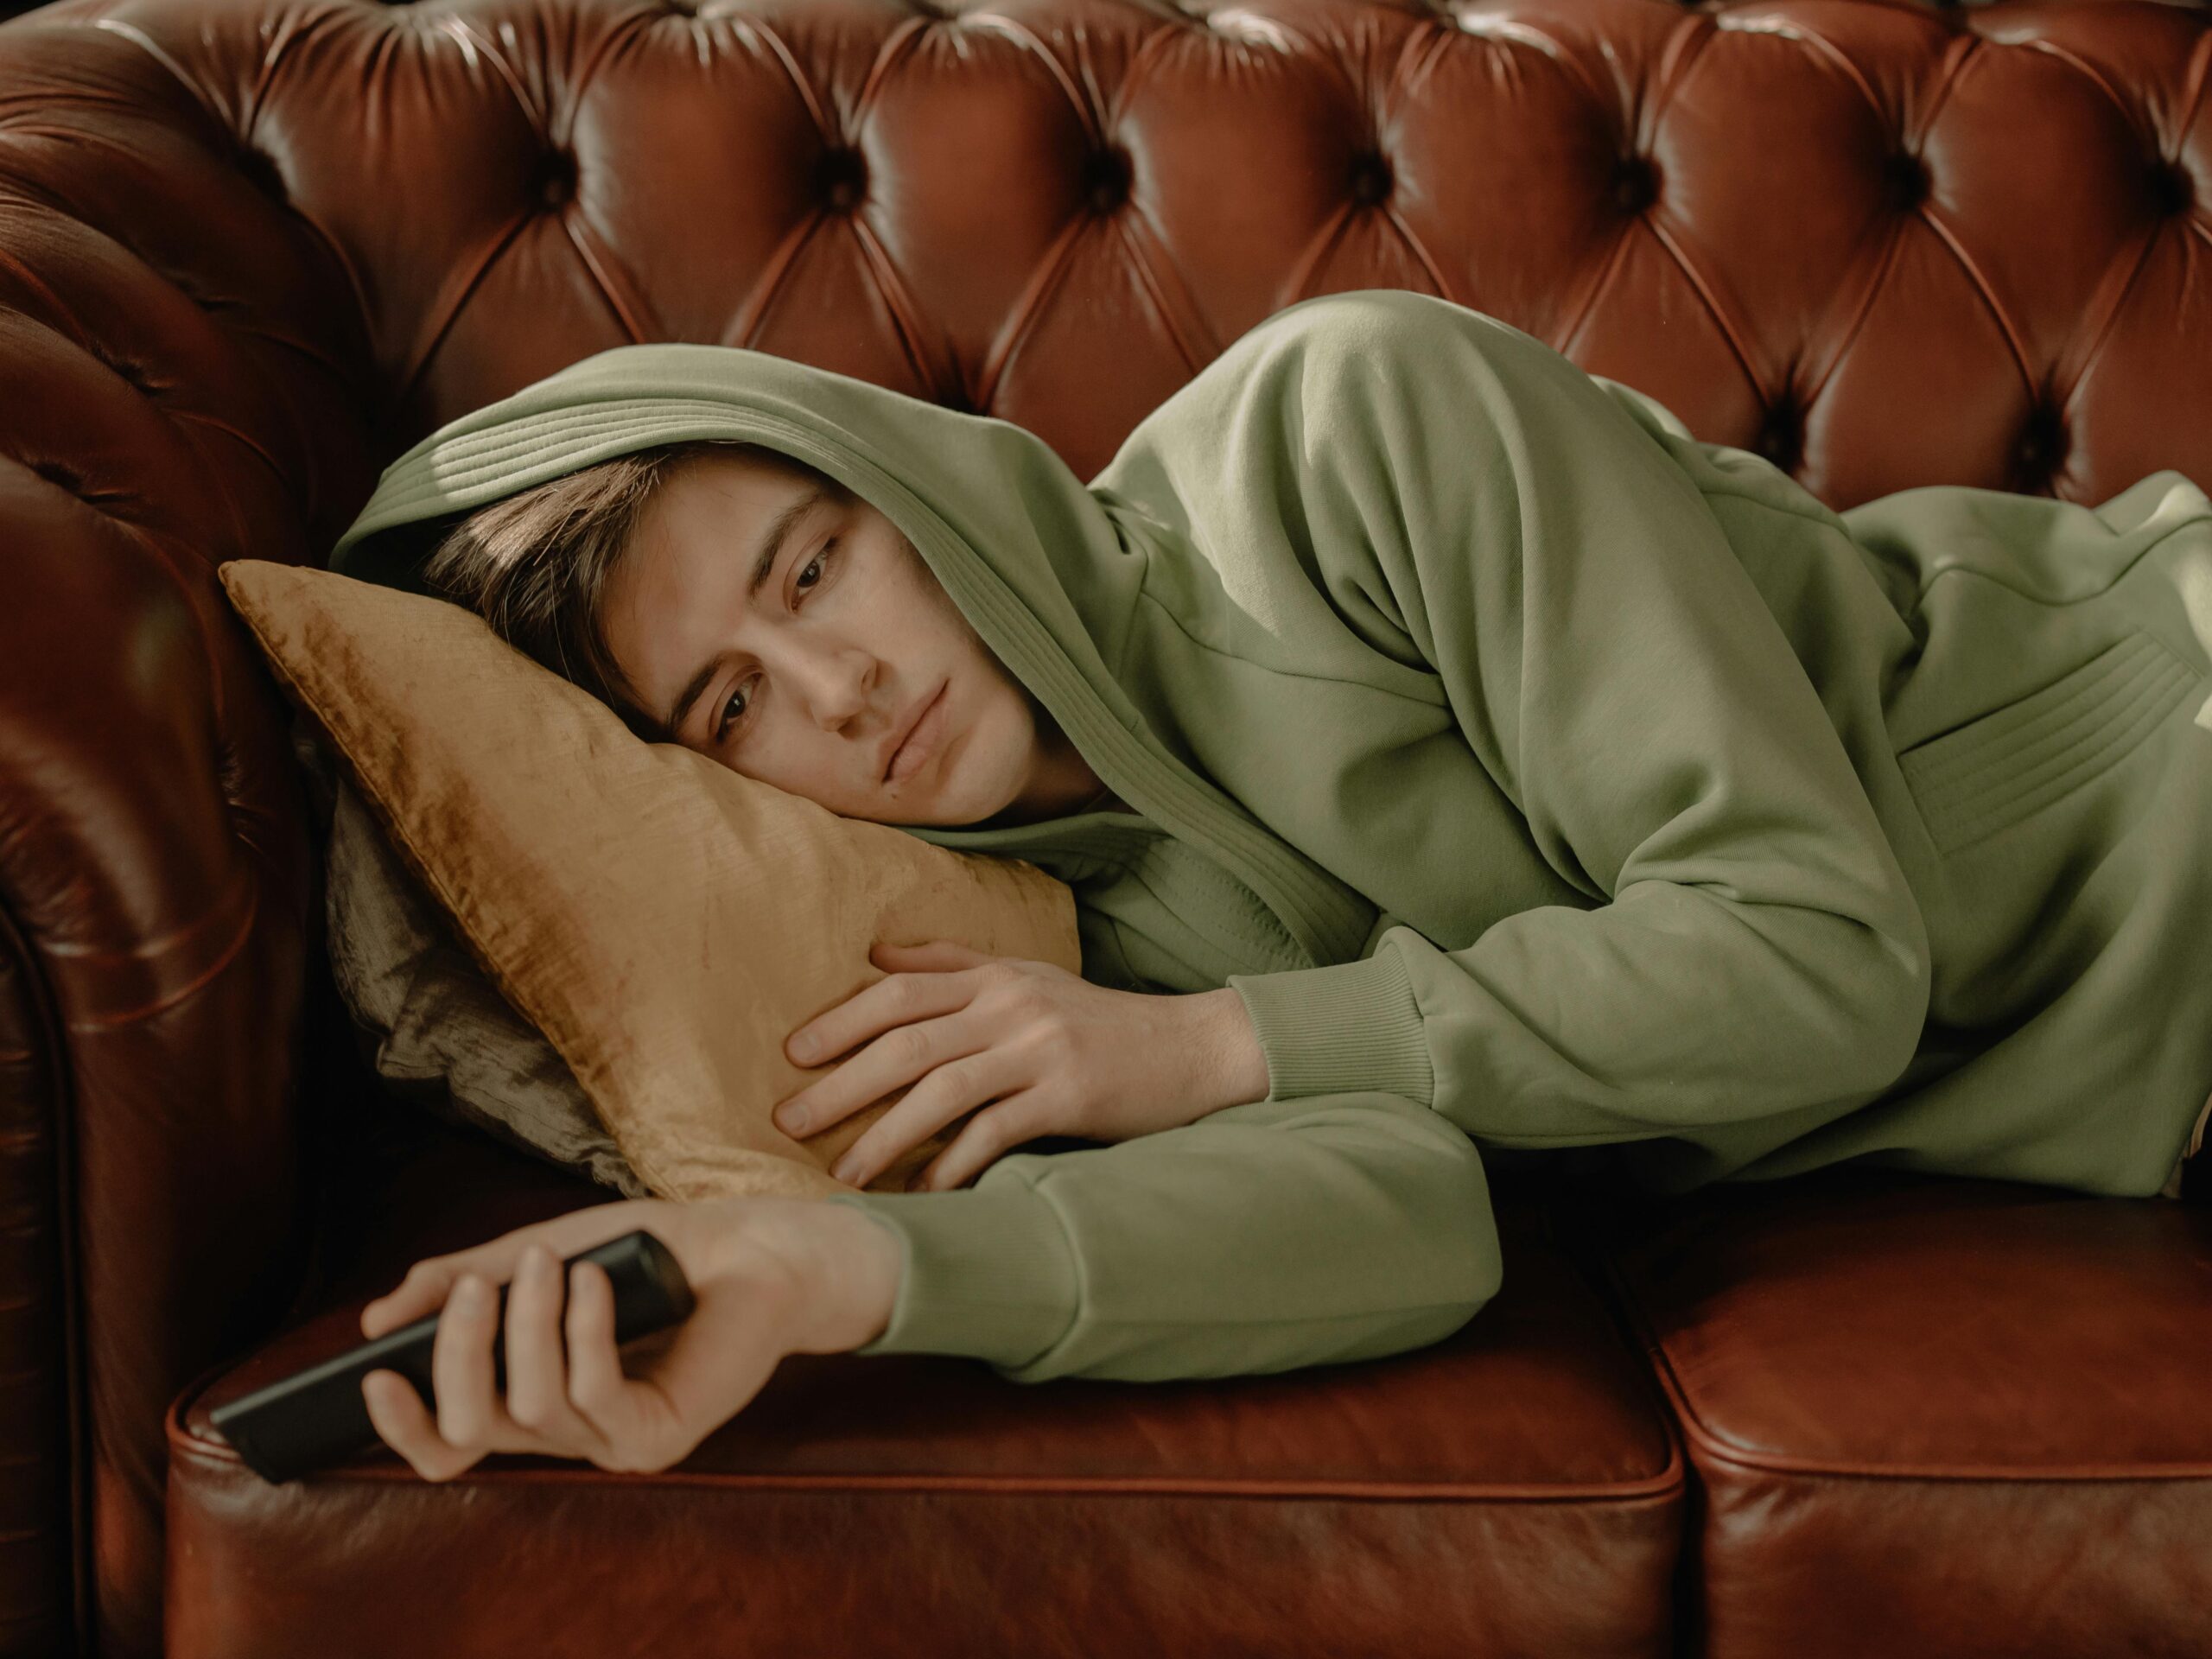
(1456, 1255)
(1488, 1277)
(1473, 1281)
(1894, 997)
(1479, 1262)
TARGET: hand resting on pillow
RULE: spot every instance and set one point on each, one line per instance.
(1058, 1054)
(771, 1277)
(775, 1275)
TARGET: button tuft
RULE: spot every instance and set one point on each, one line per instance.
(260, 171)
(1782, 439)
(2173, 189)
(131, 373)
(1370, 179)
(1904, 179)
(557, 178)
(1636, 183)
(61, 476)
(841, 178)
(2041, 448)
(1106, 179)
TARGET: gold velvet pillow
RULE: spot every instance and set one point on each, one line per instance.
(426, 1019)
(666, 922)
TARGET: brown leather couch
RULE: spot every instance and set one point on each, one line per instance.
(250, 251)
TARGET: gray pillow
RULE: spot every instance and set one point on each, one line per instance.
(430, 1021)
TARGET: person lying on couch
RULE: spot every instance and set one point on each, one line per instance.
(1446, 751)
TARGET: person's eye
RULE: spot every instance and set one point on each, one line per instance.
(819, 563)
(721, 727)
(820, 560)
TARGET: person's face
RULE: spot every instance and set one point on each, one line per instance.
(808, 681)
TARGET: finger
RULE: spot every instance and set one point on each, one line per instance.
(694, 1386)
(981, 1143)
(605, 1399)
(423, 1291)
(460, 1366)
(430, 1281)
(954, 1088)
(538, 1363)
(429, 1286)
(538, 1370)
(402, 1421)
(873, 1008)
(916, 1044)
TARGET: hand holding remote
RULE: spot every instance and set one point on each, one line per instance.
(769, 1275)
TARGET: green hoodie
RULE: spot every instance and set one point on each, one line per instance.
(1539, 777)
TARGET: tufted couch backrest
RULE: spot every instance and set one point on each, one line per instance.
(249, 251)
(1056, 212)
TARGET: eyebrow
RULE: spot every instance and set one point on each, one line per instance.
(780, 531)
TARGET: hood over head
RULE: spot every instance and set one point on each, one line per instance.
(1032, 559)
(1047, 570)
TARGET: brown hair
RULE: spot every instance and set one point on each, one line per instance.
(535, 564)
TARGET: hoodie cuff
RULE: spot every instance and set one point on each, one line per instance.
(987, 1272)
(1349, 1026)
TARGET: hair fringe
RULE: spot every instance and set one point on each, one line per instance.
(536, 565)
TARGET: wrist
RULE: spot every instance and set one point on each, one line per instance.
(834, 1269)
(1242, 1064)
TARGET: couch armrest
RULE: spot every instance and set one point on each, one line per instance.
(155, 894)
(182, 358)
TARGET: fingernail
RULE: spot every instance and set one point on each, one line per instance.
(804, 1048)
(843, 1172)
(792, 1121)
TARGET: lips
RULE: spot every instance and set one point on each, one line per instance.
(898, 739)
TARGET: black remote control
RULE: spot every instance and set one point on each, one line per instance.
(317, 1416)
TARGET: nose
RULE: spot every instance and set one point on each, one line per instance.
(836, 687)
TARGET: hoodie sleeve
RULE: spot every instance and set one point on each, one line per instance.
(1263, 1238)
(1752, 947)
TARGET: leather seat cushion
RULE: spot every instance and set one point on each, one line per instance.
(1992, 1400)
(1516, 1487)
